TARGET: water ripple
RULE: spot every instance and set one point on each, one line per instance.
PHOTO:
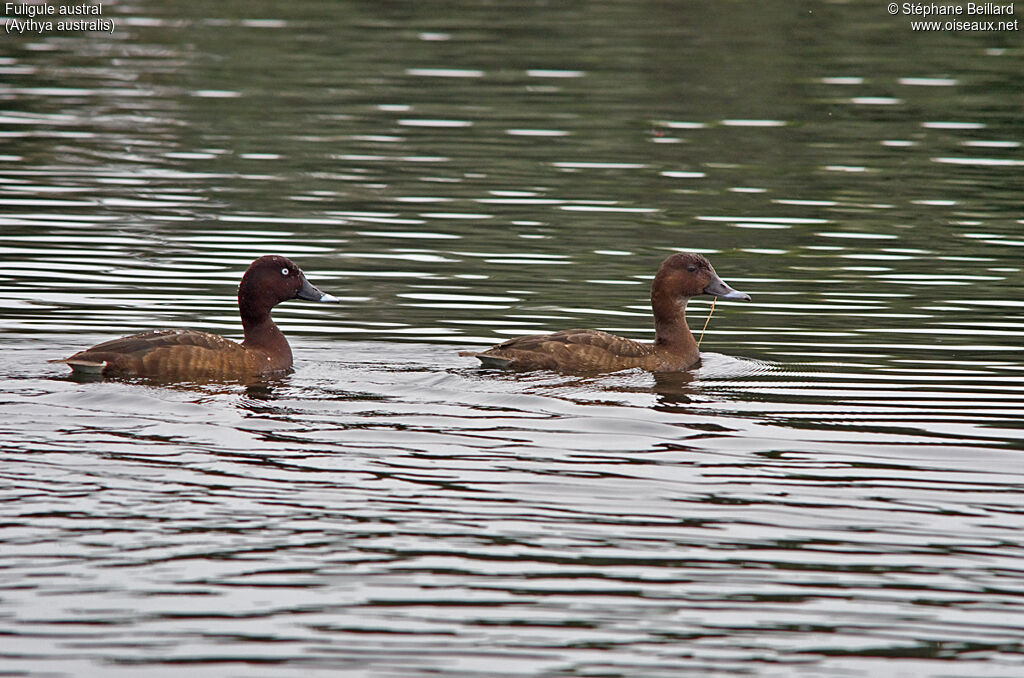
(834, 491)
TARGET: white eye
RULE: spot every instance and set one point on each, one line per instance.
(284, 271)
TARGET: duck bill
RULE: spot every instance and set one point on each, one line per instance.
(311, 293)
(718, 288)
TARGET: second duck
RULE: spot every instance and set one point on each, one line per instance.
(680, 277)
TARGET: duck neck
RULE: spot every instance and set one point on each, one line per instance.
(262, 333)
(670, 329)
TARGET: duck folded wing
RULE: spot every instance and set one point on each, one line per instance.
(575, 339)
(146, 341)
(578, 350)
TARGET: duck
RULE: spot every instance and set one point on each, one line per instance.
(680, 277)
(192, 355)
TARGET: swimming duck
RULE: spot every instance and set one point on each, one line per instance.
(189, 355)
(679, 277)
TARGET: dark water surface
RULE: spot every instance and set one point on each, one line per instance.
(837, 491)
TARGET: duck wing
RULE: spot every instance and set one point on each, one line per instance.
(568, 350)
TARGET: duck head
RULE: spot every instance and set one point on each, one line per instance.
(272, 279)
(687, 274)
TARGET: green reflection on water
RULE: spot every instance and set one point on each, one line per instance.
(845, 171)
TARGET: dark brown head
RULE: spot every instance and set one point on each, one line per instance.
(688, 274)
(270, 280)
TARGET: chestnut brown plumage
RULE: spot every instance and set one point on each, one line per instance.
(680, 277)
(190, 355)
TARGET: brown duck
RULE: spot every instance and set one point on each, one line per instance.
(190, 355)
(680, 277)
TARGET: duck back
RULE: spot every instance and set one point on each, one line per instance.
(576, 350)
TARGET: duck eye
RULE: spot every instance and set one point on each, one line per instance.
(691, 268)
(285, 271)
